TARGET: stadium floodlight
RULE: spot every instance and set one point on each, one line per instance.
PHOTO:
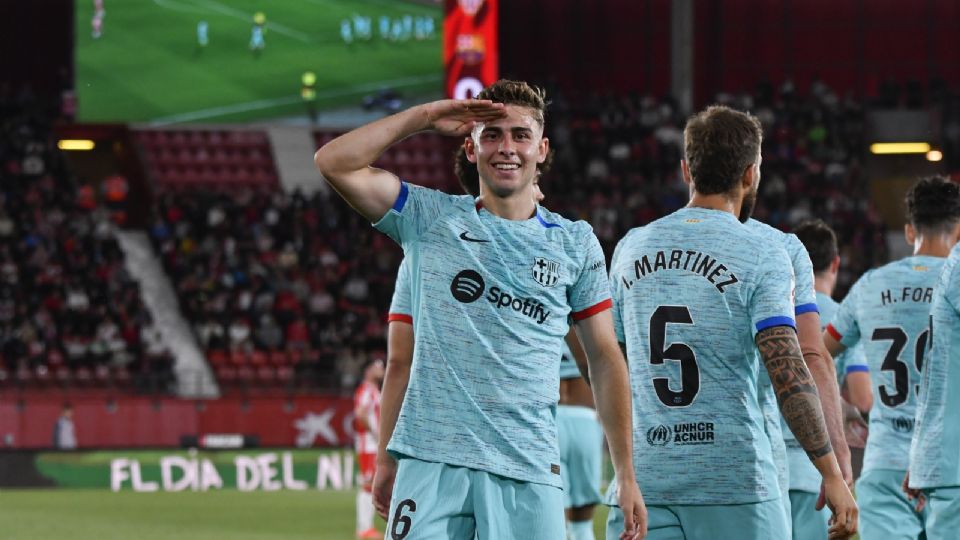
(900, 148)
(76, 144)
(934, 155)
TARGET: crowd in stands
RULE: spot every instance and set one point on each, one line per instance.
(299, 285)
(265, 274)
(70, 314)
(616, 165)
(300, 279)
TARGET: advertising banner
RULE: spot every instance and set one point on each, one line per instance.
(186, 470)
(470, 46)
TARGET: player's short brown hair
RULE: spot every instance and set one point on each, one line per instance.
(518, 93)
(820, 241)
(719, 144)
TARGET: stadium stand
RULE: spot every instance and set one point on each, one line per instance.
(182, 159)
(281, 298)
(70, 315)
(617, 156)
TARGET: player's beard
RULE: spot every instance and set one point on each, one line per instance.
(746, 207)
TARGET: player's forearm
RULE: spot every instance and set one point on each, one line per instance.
(797, 395)
(359, 148)
(820, 364)
(395, 381)
(611, 391)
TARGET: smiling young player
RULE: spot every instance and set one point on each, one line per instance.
(493, 283)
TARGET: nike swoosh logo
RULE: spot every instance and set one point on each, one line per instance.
(463, 236)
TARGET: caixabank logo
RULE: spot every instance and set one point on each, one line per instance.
(468, 286)
(681, 434)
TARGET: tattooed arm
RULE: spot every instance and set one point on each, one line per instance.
(800, 405)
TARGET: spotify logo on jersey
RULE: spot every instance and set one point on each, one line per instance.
(467, 286)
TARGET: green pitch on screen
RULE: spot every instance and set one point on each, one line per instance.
(147, 65)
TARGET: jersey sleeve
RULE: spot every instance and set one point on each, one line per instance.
(805, 296)
(844, 326)
(616, 293)
(415, 209)
(853, 360)
(401, 308)
(590, 293)
(771, 301)
(951, 286)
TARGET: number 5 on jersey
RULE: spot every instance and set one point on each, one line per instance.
(678, 352)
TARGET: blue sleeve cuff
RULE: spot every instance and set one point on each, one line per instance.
(805, 308)
(858, 368)
(776, 321)
(401, 197)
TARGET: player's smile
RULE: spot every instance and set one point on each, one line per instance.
(507, 150)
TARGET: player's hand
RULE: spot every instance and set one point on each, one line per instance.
(913, 494)
(634, 510)
(855, 427)
(383, 484)
(842, 453)
(457, 117)
(836, 495)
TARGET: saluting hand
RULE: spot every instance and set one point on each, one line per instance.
(457, 117)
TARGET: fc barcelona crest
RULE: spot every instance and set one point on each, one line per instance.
(546, 272)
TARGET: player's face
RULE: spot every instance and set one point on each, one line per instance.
(507, 151)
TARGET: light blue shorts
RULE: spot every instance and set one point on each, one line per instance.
(943, 513)
(885, 511)
(807, 523)
(436, 500)
(753, 521)
(581, 455)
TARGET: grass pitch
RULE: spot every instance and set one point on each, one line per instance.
(103, 515)
(148, 67)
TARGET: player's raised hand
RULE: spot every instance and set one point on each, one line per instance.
(634, 510)
(456, 117)
(383, 479)
(836, 495)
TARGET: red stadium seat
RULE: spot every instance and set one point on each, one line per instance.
(42, 376)
(227, 374)
(217, 357)
(278, 358)
(258, 358)
(285, 374)
(266, 375)
(121, 376)
(238, 358)
(101, 375)
(82, 376)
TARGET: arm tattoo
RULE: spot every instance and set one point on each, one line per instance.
(795, 389)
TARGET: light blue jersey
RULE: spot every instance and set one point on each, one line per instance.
(935, 449)
(490, 303)
(256, 37)
(888, 311)
(400, 305)
(568, 365)
(851, 360)
(786, 449)
(691, 290)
